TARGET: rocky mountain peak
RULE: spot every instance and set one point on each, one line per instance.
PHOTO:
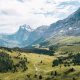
(25, 27)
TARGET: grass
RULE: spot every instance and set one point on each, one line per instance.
(64, 40)
(44, 68)
(74, 49)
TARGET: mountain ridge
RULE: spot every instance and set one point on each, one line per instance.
(25, 36)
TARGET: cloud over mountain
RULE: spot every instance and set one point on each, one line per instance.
(33, 12)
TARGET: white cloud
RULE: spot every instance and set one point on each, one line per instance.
(33, 12)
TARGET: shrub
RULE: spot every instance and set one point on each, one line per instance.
(6, 63)
(40, 76)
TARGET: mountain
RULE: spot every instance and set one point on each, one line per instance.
(69, 26)
(22, 34)
(36, 34)
(16, 39)
(62, 28)
(43, 35)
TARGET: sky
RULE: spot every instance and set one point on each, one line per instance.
(35, 13)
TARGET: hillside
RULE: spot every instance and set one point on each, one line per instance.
(63, 40)
(66, 28)
(39, 66)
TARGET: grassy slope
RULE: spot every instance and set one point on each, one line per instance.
(35, 67)
(34, 61)
(64, 40)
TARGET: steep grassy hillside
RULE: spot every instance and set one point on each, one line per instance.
(67, 40)
(39, 66)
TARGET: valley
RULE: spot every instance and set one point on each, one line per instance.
(46, 53)
(39, 66)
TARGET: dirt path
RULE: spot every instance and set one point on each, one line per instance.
(36, 68)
